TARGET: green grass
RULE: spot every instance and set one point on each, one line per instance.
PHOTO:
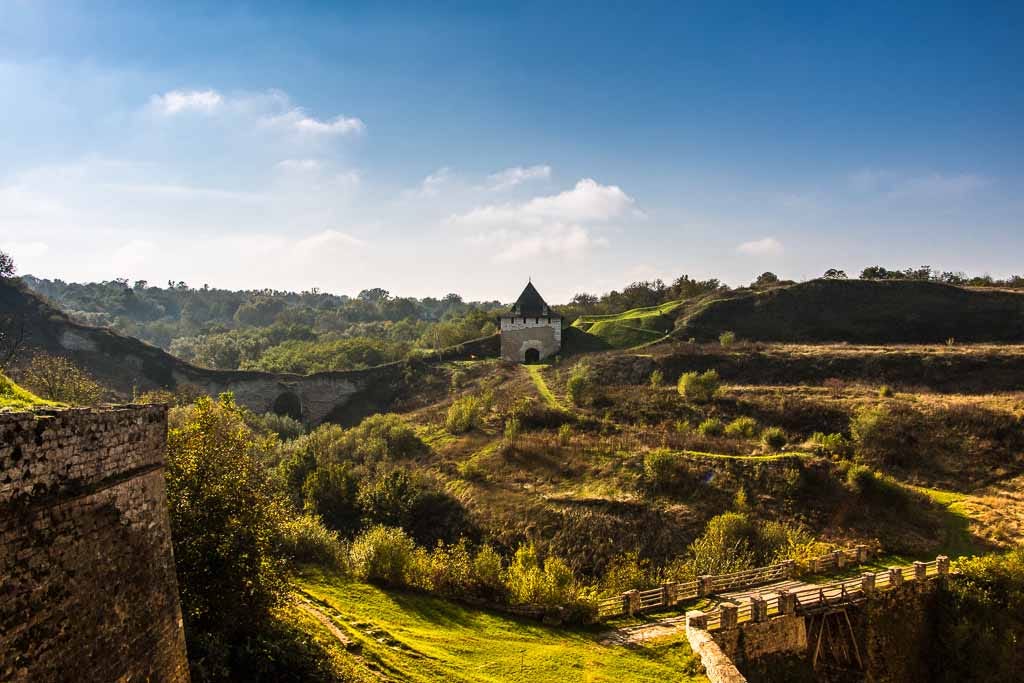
(722, 456)
(959, 540)
(631, 328)
(542, 386)
(414, 637)
(13, 396)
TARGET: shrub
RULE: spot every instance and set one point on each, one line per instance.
(580, 383)
(885, 391)
(657, 379)
(889, 434)
(463, 415)
(383, 437)
(728, 544)
(683, 427)
(727, 338)
(330, 492)
(742, 428)
(57, 378)
(530, 582)
(286, 428)
(304, 538)
(711, 427)
(831, 444)
(740, 501)
(383, 555)
(565, 435)
(450, 568)
(699, 387)
(627, 572)
(664, 471)
(774, 438)
(860, 479)
(488, 575)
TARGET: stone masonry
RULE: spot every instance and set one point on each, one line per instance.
(87, 583)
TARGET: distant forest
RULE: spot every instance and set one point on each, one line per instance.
(313, 331)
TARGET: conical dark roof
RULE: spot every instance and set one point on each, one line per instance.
(531, 304)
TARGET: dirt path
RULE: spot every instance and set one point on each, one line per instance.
(313, 611)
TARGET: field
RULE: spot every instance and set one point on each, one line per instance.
(412, 637)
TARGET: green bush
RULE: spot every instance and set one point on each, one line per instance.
(890, 435)
(664, 471)
(512, 430)
(860, 479)
(831, 444)
(531, 582)
(628, 572)
(580, 383)
(885, 391)
(488, 579)
(286, 428)
(463, 415)
(727, 338)
(565, 435)
(305, 539)
(657, 379)
(774, 438)
(711, 427)
(742, 428)
(384, 555)
(699, 387)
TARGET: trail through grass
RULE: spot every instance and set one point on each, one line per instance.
(542, 386)
(414, 637)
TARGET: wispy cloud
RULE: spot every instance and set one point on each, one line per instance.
(297, 120)
(510, 177)
(432, 185)
(178, 101)
(768, 246)
(916, 186)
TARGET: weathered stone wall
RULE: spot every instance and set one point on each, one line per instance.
(516, 340)
(87, 584)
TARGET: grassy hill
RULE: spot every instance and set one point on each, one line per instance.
(406, 636)
(14, 397)
(861, 311)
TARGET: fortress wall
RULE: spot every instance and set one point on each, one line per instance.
(87, 582)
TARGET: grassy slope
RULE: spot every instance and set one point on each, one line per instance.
(631, 328)
(13, 396)
(413, 637)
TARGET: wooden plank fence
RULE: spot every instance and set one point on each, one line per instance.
(671, 594)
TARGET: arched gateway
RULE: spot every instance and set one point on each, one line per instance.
(531, 331)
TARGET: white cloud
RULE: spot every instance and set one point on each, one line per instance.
(546, 225)
(769, 246)
(177, 101)
(299, 165)
(923, 186)
(432, 185)
(328, 239)
(297, 120)
(510, 177)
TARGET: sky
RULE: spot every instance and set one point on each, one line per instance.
(440, 147)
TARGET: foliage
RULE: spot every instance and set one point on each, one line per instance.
(549, 583)
(580, 383)
(304, 538)
(57, 378)
(403, 499)
(657, 378)
(733, 541)
(885, 391)
(286, 427)
(226, 526)
(666, 472)
(512, 430)
(978, 622)
(628, 572)
(883, 434)
(774, 438)
(699, 387)
(712, 426)
(834, 444)
(766, 279)
(463, 414)
(331, 492)
(383, 555)
(13, 396)
(742, 428)
(7, 269)
(727, 338)
(565, 435)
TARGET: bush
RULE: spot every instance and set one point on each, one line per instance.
(699, 387)
(512, 429)
(488, 575)
(860, 479)
(580, 383)
(57, 378)
(889, 435)
(628, 572)
(463, 415)
(774, 438)
(304, 538)
(286, 428)
(530, 582)
(657, 379)
(383, 555)
(665, 472)
(711, 427)
(742, 428)
(831, 444)
(727, 338)
(565, 435)
(885, 391)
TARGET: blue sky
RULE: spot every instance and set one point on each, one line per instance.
(468, 146)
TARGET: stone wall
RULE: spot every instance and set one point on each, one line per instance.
(521, 334)
(87, 583)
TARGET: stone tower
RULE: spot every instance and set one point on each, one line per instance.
(531, 331)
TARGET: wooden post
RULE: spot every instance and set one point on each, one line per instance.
(787, 602)
(895, 577)
(696, 619)
(920, 571)
(669, 594)
(862, 554)
(942, 564)
(758, 608)
(704, 586)
(730, 614)
(840, 558)
(867, 583)
(790, 569)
